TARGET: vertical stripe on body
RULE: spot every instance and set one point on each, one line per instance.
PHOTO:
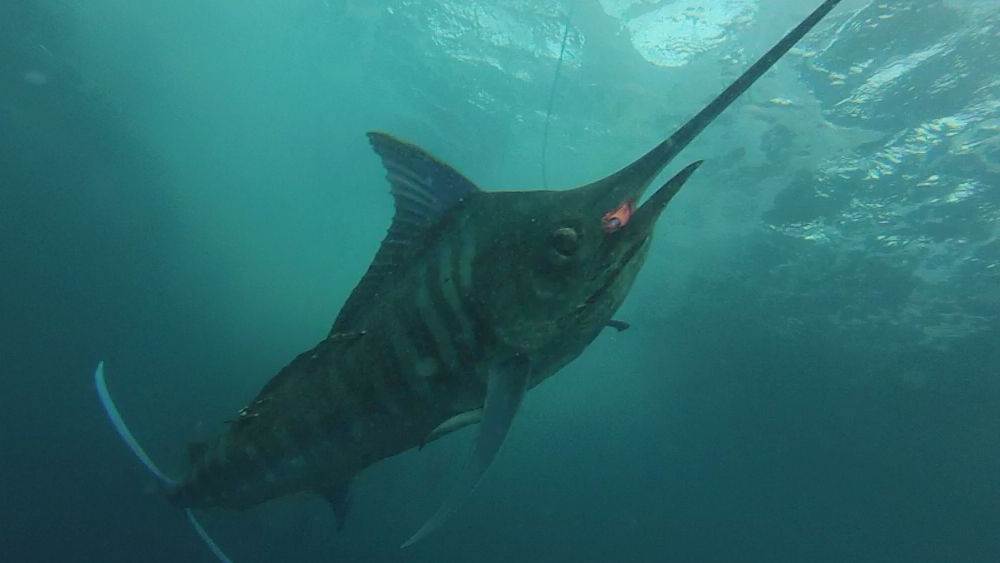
(430, 364)
(466, 255)
(464, 286)
(442, 283)
(403, 348)
(441, 332)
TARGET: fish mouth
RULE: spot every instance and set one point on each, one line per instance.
(635, 227)
(609, 282)
(644, 218)
(627, 229)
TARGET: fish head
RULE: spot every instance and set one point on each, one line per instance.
(557, 264)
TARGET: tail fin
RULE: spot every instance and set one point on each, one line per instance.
(123, 431)
(215, 549)
(116, 420)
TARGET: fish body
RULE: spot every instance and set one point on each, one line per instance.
(412, 348)
(473, 298)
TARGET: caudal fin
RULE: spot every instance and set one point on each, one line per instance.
(215, 549)
(116, 420)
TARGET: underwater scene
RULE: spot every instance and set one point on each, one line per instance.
(500, 280)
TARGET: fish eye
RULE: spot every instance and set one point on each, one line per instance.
(565, 241)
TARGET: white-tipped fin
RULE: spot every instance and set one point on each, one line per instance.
(116, 420)
(504, 390)
(123, 431)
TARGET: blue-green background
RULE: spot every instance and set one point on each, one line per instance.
(812, 370)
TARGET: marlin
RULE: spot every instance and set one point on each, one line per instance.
(473, 298)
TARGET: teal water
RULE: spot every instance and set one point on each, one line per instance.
(811, 374)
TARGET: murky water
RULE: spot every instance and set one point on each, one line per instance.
(811, 374)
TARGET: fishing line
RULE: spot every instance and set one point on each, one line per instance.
(552, 98)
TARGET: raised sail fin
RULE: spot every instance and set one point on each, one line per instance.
(133, 444)
(504, 392)
(425, 191)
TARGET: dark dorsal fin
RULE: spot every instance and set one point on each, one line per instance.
(424, 190)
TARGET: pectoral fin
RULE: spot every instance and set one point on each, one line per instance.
(457, 422)
(504, 391)
(620, 326)
(339, 497)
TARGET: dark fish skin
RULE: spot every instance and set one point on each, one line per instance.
(355, 398)
(464, 280)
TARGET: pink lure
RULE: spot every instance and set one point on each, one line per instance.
(617, 218)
